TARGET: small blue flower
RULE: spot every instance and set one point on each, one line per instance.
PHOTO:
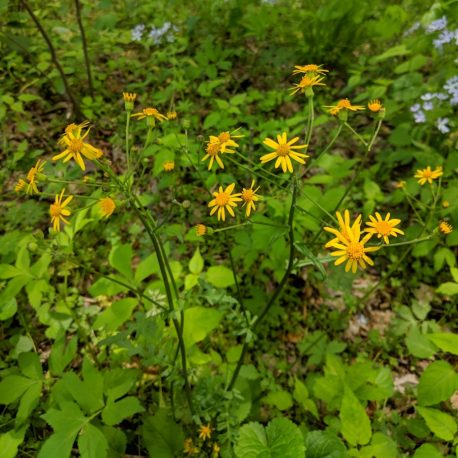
(438, 24)
(419, 117)
(137, 32)
(415, 108)
(428, 106)
(442, 125)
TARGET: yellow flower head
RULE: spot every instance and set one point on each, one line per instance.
(224, 200)
(445, 203)
(205, 432)
(150, 113)
(310, 68)
(129, 99)
(171, 115)
(383, 227)
(213, 150)
(168, 166)
(76, 148)
(352, 249)
(201, 230)
(32, 177)
(284, 152)
(249, 197)
(400, 184)
(375, 105)
(107, 206)
(307, 81)
(428, 175)
(344, 222)
(189, 447)
(343, 104)
(215, 450)
(445, 227)
(58, 211)
(19, 185)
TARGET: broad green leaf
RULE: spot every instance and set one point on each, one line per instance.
(381, 446)
(146, 268)
(324, 444)
(281, 439)
(427, 451)
(106, 287)
(116, 411)
(198, 323)
(116, 441)
(220, 276)
(190, 281)
(69, 419)
(30, 365)
(196, 264)
(440, 423)
(419, 345)
(355, 424)
(92, 443)
(83, 393)
(62, 353)
(12, 387)
(7, 271)
(162, 436)
(118, 313)
(28, 402)
(448, 288)
(282, 400)
(58, 445)
(121, 258)
(446, 341)
(10, 441)
(437, 383)
(119, 381)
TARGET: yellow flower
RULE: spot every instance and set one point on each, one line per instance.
(213, 150)
(400, 184)
(32, 177)
(284, 152)
(58, 211)
(224, 200)
(249, 197)
(344, 222)
(445, 227)
(189, 448)
(215, 450)
(375, 105)
(168, 166)
(107, 206)
(19, 185)
(201, 230)
(343, 104)
(76, 148)
(383, 227)
(445, 203)
(149, 113)
(171, 115)
(205, 432)
(352, 249)
(307, 81)
(129, 99)
(310, 68)
(428, 175)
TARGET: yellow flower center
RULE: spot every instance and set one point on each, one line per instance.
(224, 137)
(247, 195)
(213, 149)
(344, 103)
(222, 199)
(306, 81)
(427, 173)
(375, 106)
(150, 111)
(76, 145)
(355, 250)
(383, 227)
(70, 128)
(283, 149)
(55, 210)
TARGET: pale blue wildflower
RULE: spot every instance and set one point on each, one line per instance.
(415, 26)
(137, 32)
(428, 106)
(166, 31)
(451, 87)
(442, 125)
(415, 108)
(419, 117)
(445, 37)
(438, 24)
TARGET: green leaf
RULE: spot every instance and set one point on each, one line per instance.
(427, 451)
(162, 436)
(146, 268)
(12, 387)
(448, 288)
(121, 258)
(280, 399)
(198, 323)
(212, 120)
(220, 276)
(62, 353)
(356, 426)
(281, 439)
(119, 381)
(196, 264)
(446, 341)
(30, 365)
(10, 441)
(92, 443)
(440, 423)
(115, 412)
(419, 345)
(29, 401)
(59, 445)
(381, 446)
(437, 383)
(324, 444)
(7, 271)
(118, 313)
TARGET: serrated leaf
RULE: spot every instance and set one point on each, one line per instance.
(162, 436)
(27, 404)
(437, 383)
(196, 264)
(446, 341)
(419, 345)
(281, 439)
(220, 276)
(427, 451)
(381, 446)
(448, 288)
(199, 322)
(440, 423)
(12, 387)
(324, 444)
(30, 365)
(58, 445)
(117, 411)
(355, 424)
(92, 443)
(10, 441)
(62, 353)
(117, 314)
(119, 381)
(281, 399)
(69, 419)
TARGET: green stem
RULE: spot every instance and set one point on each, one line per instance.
(127, 142)
(333, 140)
(310, 121)
(408, 242)
(361, 139)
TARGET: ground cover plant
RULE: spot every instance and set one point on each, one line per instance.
(227, 229)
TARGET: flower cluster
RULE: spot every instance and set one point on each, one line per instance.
(33, 176)
(157, 34)
(313, 75)
(219, 145)
(350, 241)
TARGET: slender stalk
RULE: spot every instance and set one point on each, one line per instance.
(86, 56)
(325, 150)
(408, 242)
(310, 120)
(277, 292)
(361, 139)
(239, 292)
(68, 91)
(127, 142)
